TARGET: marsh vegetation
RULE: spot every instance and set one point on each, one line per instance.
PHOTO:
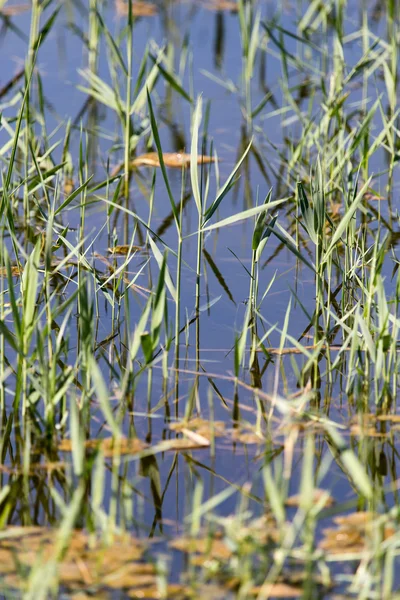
(200, 289)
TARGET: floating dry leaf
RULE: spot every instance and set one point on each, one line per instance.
(277, 590)
(182, 444)
(210, 547)
(248, 438)
(202, 427)
(317, 496)
(139, 9)
(109, 446)
(124, 249)
(342, 540)
(175, 160)
(360, 431)
(198, 439)
(247, 435)
(357, 519)
(68, 186)
(174, 591)
(363, 419)
(15, 271)
(48, 467)
(221, 5)
(392, 418)
(353, 532)
(85, 562)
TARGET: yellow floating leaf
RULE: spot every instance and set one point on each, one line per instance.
(124, 249)
(15, 270)
(68, 186)
(218, 5)
(108, 445)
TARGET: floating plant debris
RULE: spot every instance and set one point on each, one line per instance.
(222, 5)
(199, 365)
(317, 496)
(278, 590)
(354, 531)
(87, 562)
(109, 446)
(202, 427)
(174, 160)
(15, 271)
(139, 9)
(212, 548)
(124, 249)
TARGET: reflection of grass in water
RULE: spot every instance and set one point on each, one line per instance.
(87, 339)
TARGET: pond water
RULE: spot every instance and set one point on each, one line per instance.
(319, 88)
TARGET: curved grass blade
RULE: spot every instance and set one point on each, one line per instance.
(157, 141)
(225, 188)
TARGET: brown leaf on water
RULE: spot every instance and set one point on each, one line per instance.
(212, 548)
(353, 531)
(358, 519)
(365, 425)
(248, 438)
(361, 431)
(174, 591)
(317, 496)
(139, 9)
(133, 575)
(68, 186)
(222, 5)
(342, 540)
(202, 427)
(85, 562)
(124, 249)
(15, 271)
(211, 591)
(392, 418)
(248, 435)
(174, 160)
(278, 590)
(49, 467)
(109, 446)
(182, 444)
